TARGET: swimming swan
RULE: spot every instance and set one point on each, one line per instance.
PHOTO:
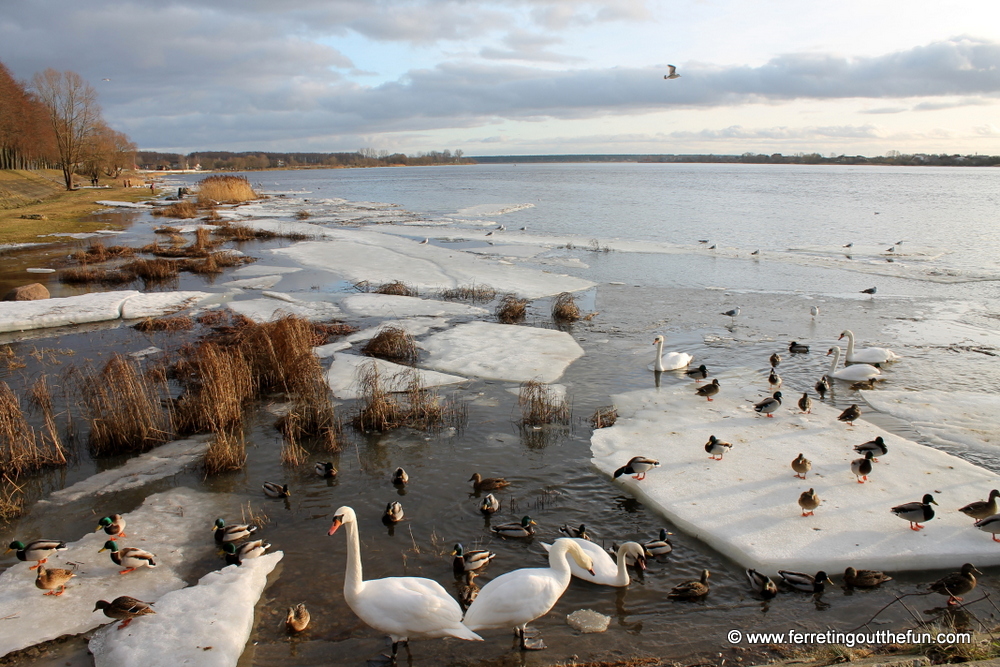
(518, 597)
(401, 607)
(672, 361)
(606, 572)
(850, 373)
(866, 355)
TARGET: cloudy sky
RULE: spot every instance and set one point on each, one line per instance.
(499, 77)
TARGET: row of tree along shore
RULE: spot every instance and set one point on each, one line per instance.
(891, 158)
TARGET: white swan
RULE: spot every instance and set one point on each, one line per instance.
(672, 361)
(606, 572)
(401, 607)
(850, 373)
(866, 355)
(518, 597)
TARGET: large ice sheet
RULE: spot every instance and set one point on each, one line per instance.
(272, 308)
(342, 375)
(206, 625)
(62, 311)
(415, 326)
(502, 352)
(172, 525)
(165, 460)
(746, 507)
(390, 305)
(366, 255)
(963, 418)
(155, 304)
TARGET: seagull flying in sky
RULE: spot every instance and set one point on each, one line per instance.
(673, 73)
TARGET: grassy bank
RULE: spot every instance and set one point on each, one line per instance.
(24, 195)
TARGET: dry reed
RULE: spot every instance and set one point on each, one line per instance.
(396, 288)
(474, 293)
(181, 209)
(86, 275)
(225, 189)
(11, 500)
(153, 271)
(394, 344)
(292, 453)
(541, 405)
(511, 310)
(564, 308)
(302, 214)
(326, 332)
(170, 324)
(40, 398)
(167, 230)
(97, 252)
(225, 453)
(604, 417)
(214, 317)
(124, 408)
(417, 407)
(377, 410)
(218, 383)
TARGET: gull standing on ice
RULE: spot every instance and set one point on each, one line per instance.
(734, 313)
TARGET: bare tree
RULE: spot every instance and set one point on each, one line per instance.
(73, 112)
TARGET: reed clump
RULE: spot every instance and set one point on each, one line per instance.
(473, 293)
(396, 288)
(394, 344)
(40, 399)
(302, 214)
(180, 209)
(540, 404)
(510, 309)
(225, 189)
(153, 271)
(377, 410)
(217, 383)
(97, 252)
(11, 500)
(326, 332)
(226, 452)
(417, 407)
(244, 233)
(564, 308)
(169, 324)
(604, 417)
(22, 449)
(124, 408)
(87, 275)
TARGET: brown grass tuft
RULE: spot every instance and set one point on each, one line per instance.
(86, 275)
(604, 417)
(153, 271)
(396, 288)
(326, 332)
(11, 500)
(302, 215)
(178, 323)
(225, 189)
(377, 409)
(97, 252)
(394, 344)
(474, 293)
(181, 209)
(416, 407)
(227, 452)
(564, 308)
(511, 310)
(540, 405)
(218, 383)
(214, 317)
(22, 450)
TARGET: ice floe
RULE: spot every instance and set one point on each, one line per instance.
(390, 305)
(155, 304)
(206, 625)
(342, 375)
(501, 352)
(259, 282)
(172, 525)
(254, 270)
(271, 307)
(94, 307)
(745, 506)
(165, 460)
(415, 326)
(962, 418)
(122, 204)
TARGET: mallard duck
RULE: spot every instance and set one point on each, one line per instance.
(523, 528)
(297, 619)
(130, 558)
(235, 555)
(691, 590)
(990, 524)
(124, 608)
(862, 467)
(851, 413)
(801, 465)
(877, 447)
(864, 384)
(801, 581)
(637, 466)
(399, 477)
(822, 386)
(571, 531)
(699, 373)
(490, 505)
(798, 348)
(323, 469)
(957, 583)
(775, 360)
(716, 448)
(112, 525)
(660, 546)
(393, 513)
(808, 501)
(762, 584)
(769, 405)
(773, 379)
(916, 512)
(981, 509)
(468, 591)
(709, 390)
(464, 561)
(273, 490)
(487, 484)
(224, 533)
(50, 579)
(805, 403)
(38, 550)
(864, 578)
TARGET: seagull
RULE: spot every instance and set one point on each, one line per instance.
(870, 290)
(673, 73)
(848, 245)
(814, 310)
(892, 249)
(524, 229)
(489, 233)
(756, 252)
(732, 313)
(502, 228)
(711, 247)
(702, 240)
(105, 79)
(423, 242)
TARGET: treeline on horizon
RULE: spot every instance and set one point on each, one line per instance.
(255, 160)
(892, 158)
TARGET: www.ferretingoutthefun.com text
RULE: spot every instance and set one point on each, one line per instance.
(849, 639)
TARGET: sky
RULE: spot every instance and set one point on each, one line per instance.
(526, 77)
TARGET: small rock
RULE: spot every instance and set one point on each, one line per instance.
(32, 292)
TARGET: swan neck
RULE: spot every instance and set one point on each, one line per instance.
(850, 343)
(353, 582)
(659, 355)
(622, 577)
(836, 360)
(559, 562)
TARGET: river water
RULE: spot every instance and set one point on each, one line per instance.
(657, 277)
